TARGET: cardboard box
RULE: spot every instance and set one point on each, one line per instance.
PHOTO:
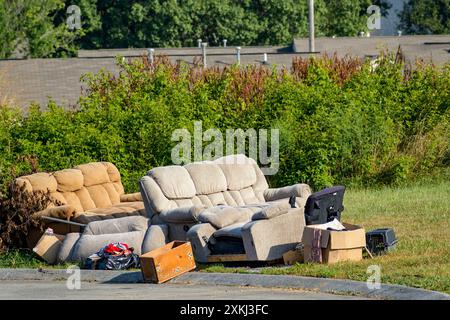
(293, 256)
(336, 245)
(167, 262)
(48, 247)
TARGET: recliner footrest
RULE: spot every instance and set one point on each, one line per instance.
(227, 240)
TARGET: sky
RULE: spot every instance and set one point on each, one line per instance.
(390, 22)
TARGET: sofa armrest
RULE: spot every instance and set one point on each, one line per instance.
(61, 212)
(268, 239)
(117, 225)
(274, 210)
(300, 190)
(155, 237)
(182, 215)
(67, 246)
(199, 235)
(131, 197)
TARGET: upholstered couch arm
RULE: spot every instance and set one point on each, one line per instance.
(61, 212)
(268, 239)
(272, 211)
(199, 236)
(182, 215)
(131, 197)
(156, 236)
(300, 190)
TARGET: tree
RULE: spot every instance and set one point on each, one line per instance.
(426, 17)
(28, 29)
(37, 28)
(175, 23)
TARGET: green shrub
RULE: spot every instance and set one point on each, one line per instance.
(340, 121)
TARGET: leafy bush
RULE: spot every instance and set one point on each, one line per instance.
(340, 120)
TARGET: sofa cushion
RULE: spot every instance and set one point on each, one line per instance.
(272, 210)
(94, 173)
(223, 216)
(113, 195)
(238, 172)
(117, 211)
(132, 205)
(124, 207)
(113, 172)
(21, 182)
(174, 181)
(85, 199)
(119, 187)
(69, 180)
(73, 200)
(57, 197)
(42, 181)
(182, 214)
(231, 231)
(100, 196)
(207, 177)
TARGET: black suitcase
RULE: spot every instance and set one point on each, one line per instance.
(381, 241)
(324, 206)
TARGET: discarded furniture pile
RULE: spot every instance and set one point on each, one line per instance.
(209, 211)
(86, 193)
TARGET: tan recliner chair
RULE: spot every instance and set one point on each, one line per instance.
(88, 192)
(222, 199)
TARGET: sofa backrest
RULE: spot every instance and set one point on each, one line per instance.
(234, 180)
(85, 187)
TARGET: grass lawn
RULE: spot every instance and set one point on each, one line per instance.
(419, 214)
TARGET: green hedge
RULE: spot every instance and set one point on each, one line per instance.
(340, 120)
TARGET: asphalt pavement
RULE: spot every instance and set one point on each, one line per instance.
(52, 290)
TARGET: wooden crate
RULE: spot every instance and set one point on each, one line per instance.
(167, 262)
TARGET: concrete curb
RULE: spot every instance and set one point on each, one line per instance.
(347, 287)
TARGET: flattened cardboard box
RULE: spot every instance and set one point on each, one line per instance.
(167, 262)
(48, 247)
(336, 245)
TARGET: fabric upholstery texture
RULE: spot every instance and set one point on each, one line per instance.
(232, 180)
(273, 210)
(233, 231)
(182, 215)
(199, 236)
(156, 236)
(131, 197)
(223, 216)
(119, 225)
(66, 249)
(89, 244)
(299, 190)
(229, 196)
(268, 239)
(88, 192)
(78, 247)
(60, 212)
(207, 177)
(174, 181)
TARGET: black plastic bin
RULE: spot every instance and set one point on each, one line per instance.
(381, 241)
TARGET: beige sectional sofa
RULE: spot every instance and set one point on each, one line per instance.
(85, 193)
(228, 197)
